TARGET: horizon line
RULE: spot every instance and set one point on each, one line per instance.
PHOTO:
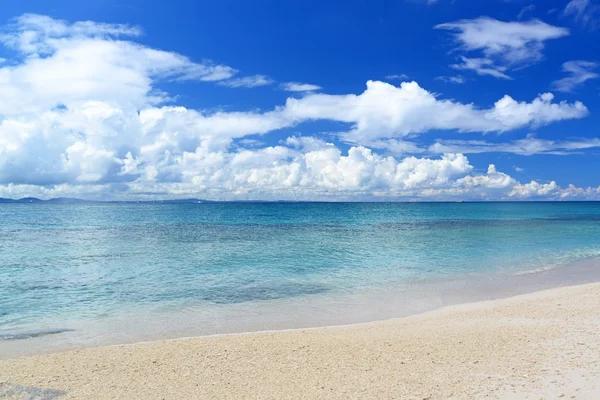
(194, 200)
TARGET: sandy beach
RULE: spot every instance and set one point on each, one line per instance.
(539, 345)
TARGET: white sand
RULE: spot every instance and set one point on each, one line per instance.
(542, 345)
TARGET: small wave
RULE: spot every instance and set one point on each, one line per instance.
(536, 270)
(573, 217)
(31, 334)
(233, 295)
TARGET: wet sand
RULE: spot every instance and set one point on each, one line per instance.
(539, 345)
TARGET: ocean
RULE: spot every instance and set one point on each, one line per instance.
(76, 275)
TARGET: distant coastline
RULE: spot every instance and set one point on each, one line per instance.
(72, 200)
(69, 200)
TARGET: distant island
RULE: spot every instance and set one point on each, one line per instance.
(69, 200)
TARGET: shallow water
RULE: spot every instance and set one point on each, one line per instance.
(118, 273)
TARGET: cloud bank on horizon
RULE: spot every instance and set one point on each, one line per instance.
(84, 113)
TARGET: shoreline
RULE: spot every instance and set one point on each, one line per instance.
(560, 323)
(446, 308)
(314, 312)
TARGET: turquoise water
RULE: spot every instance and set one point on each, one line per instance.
(67, 266)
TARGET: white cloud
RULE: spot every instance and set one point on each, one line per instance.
(535, 189)
(504, 45)
(248, 81)
(70, 64)
(551, 190)
(482, 66)
(248, 142)
(54, 42)
(386, 111)
(528, 146)
(398, 77)
(161, 147)
(525, 10)
(36, 35)
(307, 143)
(299, 87)
(491, 180)
(585, 12)
(428, 2)
(458, 79)
(304, 168)
(578, 73)
(574, 192)
(514, 42)
(397, 147)
(80, 115)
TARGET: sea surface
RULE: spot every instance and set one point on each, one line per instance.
(75, 275)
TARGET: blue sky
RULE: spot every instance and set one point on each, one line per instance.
(132, 99)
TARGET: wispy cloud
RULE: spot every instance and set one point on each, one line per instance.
(578, 73)
(525, 147)
(398, 77)
(481, 66)
(299, 87)
(428, 2)
(525, 10)
(458, 79)
(585, 12)
(504, 45)
(248, 81)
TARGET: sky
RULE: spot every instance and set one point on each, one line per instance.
(380, 100)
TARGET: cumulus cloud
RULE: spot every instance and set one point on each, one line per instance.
(299, 87)
(302, 168)
(504, 45)
(387, 111)
(493, 179)
(80, 115)
(68, 64)
(551, 190)
(573, 192)
(578, 73)
(535, 189)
